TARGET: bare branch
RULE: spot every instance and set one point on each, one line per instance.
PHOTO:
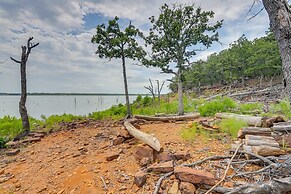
(16, 61)
(256, 14)
(1, 62)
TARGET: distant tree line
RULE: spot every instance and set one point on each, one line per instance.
(243, 60)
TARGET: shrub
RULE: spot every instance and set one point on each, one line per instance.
(250, 108)
(283, 108)
(221, 104)
(231, 126)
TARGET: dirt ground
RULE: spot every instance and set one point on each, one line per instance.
(74, 161)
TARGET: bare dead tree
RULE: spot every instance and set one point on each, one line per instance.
(151, 89)
(159, 90)
(22, 108)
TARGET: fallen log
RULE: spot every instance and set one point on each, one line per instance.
(265, 150)
(250, 120)
(254, 131)
(256, 121)
(274, 186)
(253, 140)
(169, 118)
(144, 137)
(282, 128)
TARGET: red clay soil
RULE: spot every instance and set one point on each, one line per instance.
(74, 161)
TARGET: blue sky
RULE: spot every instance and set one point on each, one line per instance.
(65, 60)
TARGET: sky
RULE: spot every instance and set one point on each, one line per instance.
(65, 60)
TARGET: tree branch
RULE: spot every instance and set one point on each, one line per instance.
(16, 61)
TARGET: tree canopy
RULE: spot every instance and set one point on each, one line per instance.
(244, 59)
(176, 35)
(114, 43)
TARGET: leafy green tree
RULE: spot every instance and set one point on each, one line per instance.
(114, 43)
(173, 38)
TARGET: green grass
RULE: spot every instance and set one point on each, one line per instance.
(281, 108)
(231, 126)
(195, 132)
(250, 108)
(220, 104)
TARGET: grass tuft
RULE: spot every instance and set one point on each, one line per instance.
(231, 126)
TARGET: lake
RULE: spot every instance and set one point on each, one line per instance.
(59, 104)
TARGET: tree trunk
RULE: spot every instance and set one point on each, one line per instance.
(22, 102)
(169, 118)
(129, 115)
(253, 131)
(22, 109)
(180, 95)
(280, 22)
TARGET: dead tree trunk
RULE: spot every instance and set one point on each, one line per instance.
(151, 89)
(159, 91)
(279, 13)
(22, 108)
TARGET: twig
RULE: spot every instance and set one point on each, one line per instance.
(228, 166)
(158, 185)
(205, 159)
(104, 183)
(253, 172)
(257, 156)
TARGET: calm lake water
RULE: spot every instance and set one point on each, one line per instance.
(57, 105)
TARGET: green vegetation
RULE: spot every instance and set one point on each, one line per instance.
(176, 35)
(244, 60)
(192, 133)
(231, 126)
(220, 104)
(11, 126)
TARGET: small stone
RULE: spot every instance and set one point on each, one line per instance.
(144, 162)
(61, 191)
(118, 140)
(12, 152)
(111, 156)
(187, 188)
(18, 185)
(140, 178)
(143, 152)
(31, 140)
(122, 188)
(162, 167)
(191, 175)
(182, 156)
(164, 157)
(2, 171)
(174, 189)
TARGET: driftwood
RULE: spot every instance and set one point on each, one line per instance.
(275, 186)
(254, 131)
(253, 140)
(144, 137)
(168, 118)
(250, 120)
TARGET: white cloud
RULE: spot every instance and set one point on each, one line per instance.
(65, 60)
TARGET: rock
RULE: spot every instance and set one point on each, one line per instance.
(162, 167)
(187, 188)
(31, 140)
(2, 171)
(12, 152)
(174, 189)
(112, 155)
(118, 140)
(144, 152)
(124, 133)
(140, 178)
(164, 157)
(6, 177)
(182, 156)
(13, 144)
(144, 162)
(191, 175)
